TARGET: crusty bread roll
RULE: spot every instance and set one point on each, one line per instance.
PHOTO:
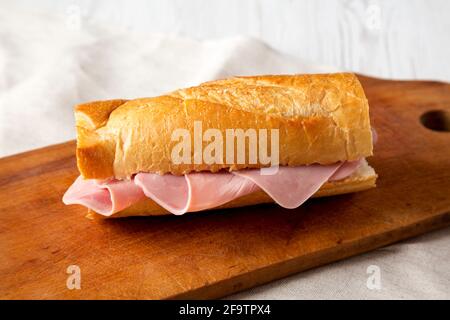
(362, 179)
(321, 119)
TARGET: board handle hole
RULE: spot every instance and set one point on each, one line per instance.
(436, 120)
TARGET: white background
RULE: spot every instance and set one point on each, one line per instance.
(391, 39)
(55, 54)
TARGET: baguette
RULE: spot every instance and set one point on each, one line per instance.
(321, 119)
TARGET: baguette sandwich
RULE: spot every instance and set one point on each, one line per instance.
(224, 144)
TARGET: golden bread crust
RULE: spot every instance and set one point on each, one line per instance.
(322, 118)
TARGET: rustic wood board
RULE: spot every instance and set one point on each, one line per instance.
(213, 254)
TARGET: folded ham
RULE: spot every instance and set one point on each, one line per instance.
(289, 187)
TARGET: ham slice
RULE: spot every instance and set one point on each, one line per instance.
(346, 170)
(106, 197)
(289, 187)
(193, 192)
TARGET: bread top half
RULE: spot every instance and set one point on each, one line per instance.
(321, 118)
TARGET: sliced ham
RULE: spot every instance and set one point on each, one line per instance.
(346, 170)
(106, 197)
(193, 192)
(289, 187)
(169, 191)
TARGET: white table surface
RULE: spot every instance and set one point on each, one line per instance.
(54, 54)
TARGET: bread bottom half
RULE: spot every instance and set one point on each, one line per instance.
(363, 178)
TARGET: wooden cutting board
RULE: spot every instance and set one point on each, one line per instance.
(213, 254)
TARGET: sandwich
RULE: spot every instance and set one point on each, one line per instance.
(224, 144)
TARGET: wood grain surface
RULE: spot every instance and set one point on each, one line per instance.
(216, 253)
(392, 39)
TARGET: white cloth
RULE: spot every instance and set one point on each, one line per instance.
(48, 64)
